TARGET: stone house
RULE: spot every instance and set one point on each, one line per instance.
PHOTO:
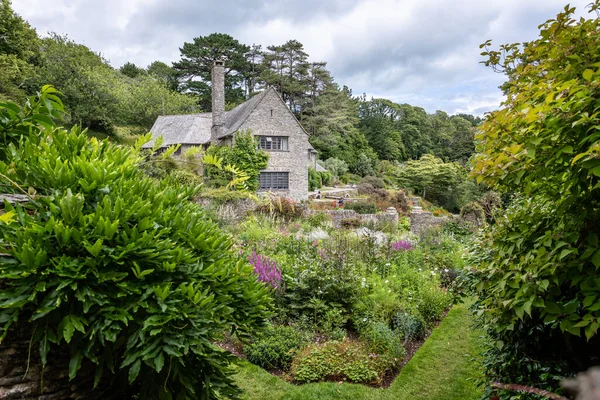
(266, 116)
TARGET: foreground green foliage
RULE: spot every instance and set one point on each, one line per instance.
(115, 268)
(536, 273)
(442, 369)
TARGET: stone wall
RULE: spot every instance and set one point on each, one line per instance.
(272, 118)
(422, 220)
(338, 216)
(23, 382)
(230, 211)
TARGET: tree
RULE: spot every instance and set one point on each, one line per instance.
(160, 70)
(131, 70)
(19, 51)
(538, 288)
(197, 57)
(143, 99)
(434, 180)
(86, 80)
(378, 123)
(336, 166)
(115, 269)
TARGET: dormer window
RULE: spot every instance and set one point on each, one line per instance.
(273, 143)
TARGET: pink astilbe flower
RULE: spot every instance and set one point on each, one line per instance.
(267, 270)
(402, 245)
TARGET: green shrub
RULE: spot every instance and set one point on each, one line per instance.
(276, 347)
(409, 326)
(345, 360)
(117, 269)
(314, 180)
(223, 195)
(361, 207)
(243, 155)
(473, 211)
(382, 339)
(376, 182)
(318, 219)
(432, 304)
(365, 188)
(186, 178)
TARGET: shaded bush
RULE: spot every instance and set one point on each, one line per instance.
(276, 347)
(337, 361)
(409, 326)
(361, 207)
(377, 183)
(382, 339)
(365, 188)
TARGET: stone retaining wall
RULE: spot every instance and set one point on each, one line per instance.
(338, 216)
(422, 220)
(20, 381)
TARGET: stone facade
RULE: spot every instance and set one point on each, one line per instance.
(421, 220)
(271, 117)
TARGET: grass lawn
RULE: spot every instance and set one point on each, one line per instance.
(440, 370)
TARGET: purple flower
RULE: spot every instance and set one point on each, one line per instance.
(267, 270)
(402, 245)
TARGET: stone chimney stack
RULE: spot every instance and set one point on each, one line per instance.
(218, 98)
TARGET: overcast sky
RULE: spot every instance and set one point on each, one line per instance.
(421, 52)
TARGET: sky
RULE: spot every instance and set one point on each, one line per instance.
(421, 52)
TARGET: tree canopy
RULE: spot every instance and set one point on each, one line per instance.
(538, 288)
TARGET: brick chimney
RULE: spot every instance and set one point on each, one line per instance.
(218, 98)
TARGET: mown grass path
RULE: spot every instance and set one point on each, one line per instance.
(442, 369)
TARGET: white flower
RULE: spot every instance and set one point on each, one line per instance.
(420, 269)
(364, 320)
(386, 281)
(446, 270)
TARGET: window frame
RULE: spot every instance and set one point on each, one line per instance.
(284, 142)
(278, 180)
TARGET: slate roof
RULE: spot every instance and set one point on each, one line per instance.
(320, 168)
(195, 129)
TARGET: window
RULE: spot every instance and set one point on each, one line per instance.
(273, 143)
(274, 180)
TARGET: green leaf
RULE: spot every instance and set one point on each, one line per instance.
(134, 370)
(596, 259)
(588, 74)
(75, 364)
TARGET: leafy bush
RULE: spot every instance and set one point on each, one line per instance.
(432, 304)
(335, 166)
(491, 204)
(318, 219)
(473, 212)
(223, 195)
(361, 207)
(244, 155)
(276, 347)
(380, 194)
(186, 178)
(365, 188)
(376, 182)
(409, 326)
(400, 202)
(344, 360)
(281, 207)
(382, 339)
(116, 268)
(314, 180)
